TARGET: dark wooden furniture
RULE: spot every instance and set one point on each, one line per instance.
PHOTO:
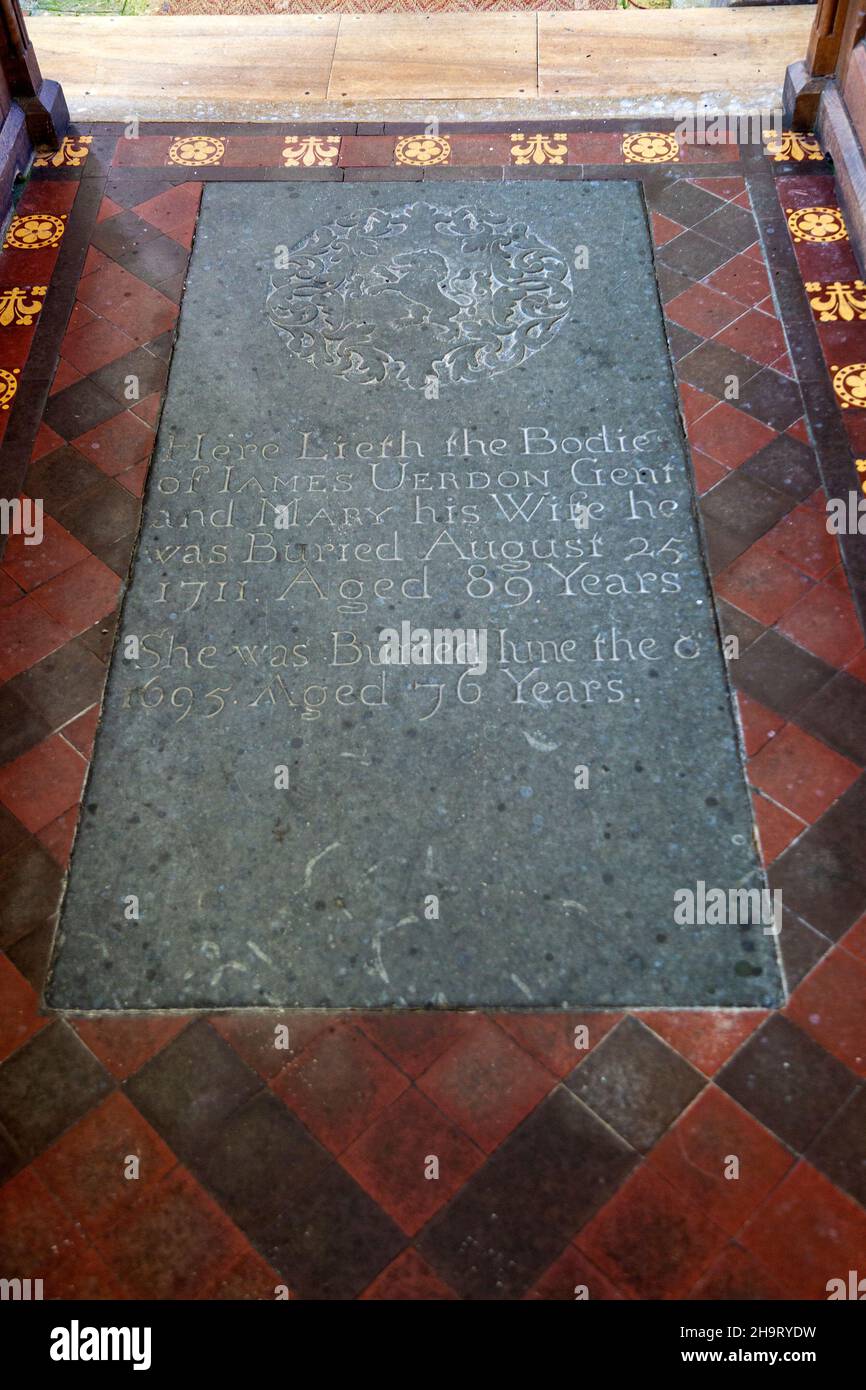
(826, 92)
(32, 108)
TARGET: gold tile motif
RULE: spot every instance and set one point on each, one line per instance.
(8, 387)
(311, 151)
(73, 151)
(816, 224)
(849, 383)
(34, 231)
(843, 300)
(19, 304)
(195, 150)
(538, 149)
(650, 147)
(791, 145)
(423, 149)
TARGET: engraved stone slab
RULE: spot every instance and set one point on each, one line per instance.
(394, 412)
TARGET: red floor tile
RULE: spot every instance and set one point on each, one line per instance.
(81, 596)
(174, 212)
(762, 584)
(339, 1085)
(81, 731)
(803, 540)
(43, 782)
(831, 1005)
(650, 1240)
(558, 1041)
(777, 828)
(19, 1019)
(695, 403)
(408, 1278)
(729, 435)
(128, 302)
(249, 1279)
(572, 1278)
(116, 444)
(705, 1037)
(27, 634)
(807, 1233)
(123, 1045)
(696, 1158)
(414, 1040)
(254, 1035)
(160, 1246)
(486, 1084)
(94, 344)
(89, 1171)
(35, 1233)
(394, 1159)
(854, 939)
(743, 278)
(736, 1275)
(46, 441)
(758, 723)
(825, 622)
(31, 565)
(707, 471)
(57, 837)
(702, 310)
(757, 335)
(800, 773)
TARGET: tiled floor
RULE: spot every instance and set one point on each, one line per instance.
(445, 1155)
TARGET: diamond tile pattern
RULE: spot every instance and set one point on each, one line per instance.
(441, 1155)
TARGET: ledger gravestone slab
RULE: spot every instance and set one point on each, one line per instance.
(400, 420)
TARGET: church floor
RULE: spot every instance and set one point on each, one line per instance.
(573, 1148)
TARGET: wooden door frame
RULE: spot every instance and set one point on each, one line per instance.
(37, 114)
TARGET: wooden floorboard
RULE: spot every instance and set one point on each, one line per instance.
(279, 67)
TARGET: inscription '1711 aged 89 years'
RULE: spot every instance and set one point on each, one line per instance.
(417, 698)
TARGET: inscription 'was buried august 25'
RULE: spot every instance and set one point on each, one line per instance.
(446, 423)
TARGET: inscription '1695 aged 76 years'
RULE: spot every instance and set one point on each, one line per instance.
(417, 698)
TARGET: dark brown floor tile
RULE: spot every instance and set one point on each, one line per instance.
(10, 1158)
(31, 955)
(13, 836)
(742, 505)
(517, 1213)
(731, 226)
(99, 639)
(671, 283)
(122, 235)
(118, 554)
(636, 1083)
(79, 408)
(780, 674)
(162, 346)
(60, 477)
(801, 948)
(822, 877)
(837, 715)
(693, 255)
(682, 201)
(735, 623)
(63, 684)
(723, 545)
(736, 1275)
(46, 1086)
(786, 464)
(772, 398)
(21, 727)
(300, 1209)
(156, 260)
(148, 367)
(100, 516)
(840, 1151)
(189, 1090)
(681, 340)
(787, 1082)
(714, 368)
(29, 891)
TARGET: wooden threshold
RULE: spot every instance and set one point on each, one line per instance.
(280, 67)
